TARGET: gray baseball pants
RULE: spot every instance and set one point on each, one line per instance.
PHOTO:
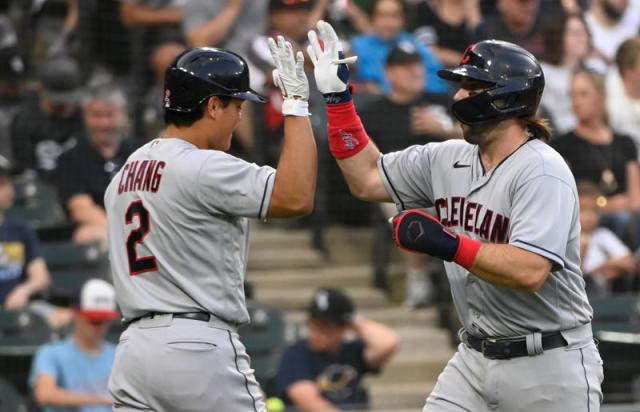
(565, 379)
(175, 365)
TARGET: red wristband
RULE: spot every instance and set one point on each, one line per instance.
(467, 251)
(347, 136)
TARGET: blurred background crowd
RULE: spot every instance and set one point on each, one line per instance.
(81, 87)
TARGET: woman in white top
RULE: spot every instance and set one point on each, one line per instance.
(567, 48)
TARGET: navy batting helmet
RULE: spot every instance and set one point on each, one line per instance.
(198, 74)
(513, 77)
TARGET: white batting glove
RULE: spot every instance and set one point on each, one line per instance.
(290, 78)
(330, 65)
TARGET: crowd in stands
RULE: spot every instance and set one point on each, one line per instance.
(81, 87)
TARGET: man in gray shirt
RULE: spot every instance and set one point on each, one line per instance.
(178, 234)
(507, 228)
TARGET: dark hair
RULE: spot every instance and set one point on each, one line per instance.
(554, 31)
(374, 3)
(538, 127)
(628, 53)
(186, 119)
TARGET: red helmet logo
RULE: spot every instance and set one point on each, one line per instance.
(466, 57)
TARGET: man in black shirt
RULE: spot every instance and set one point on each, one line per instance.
(50, 121)
(324, 372)
(85, 171)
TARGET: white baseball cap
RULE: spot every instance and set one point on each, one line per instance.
(97, 301)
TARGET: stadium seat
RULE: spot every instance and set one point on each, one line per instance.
(71, 265)
(10, 398)
(621, 355)
(616, 313)
(37, 204)
(264, 339)
(21, 334)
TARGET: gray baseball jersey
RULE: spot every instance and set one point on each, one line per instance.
(178, 229)
(529, 200)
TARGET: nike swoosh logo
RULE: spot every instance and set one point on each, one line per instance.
(457, 165)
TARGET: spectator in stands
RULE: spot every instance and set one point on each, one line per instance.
(23, 271)
(163, 16)
(50, 122)
(517, 21)
(387, 21)
(567, 47)
(161, 57)
(623, 90)
(606, 261)
(611, 22)
(291, 19)
(229, 24)
(12, 76)
(86, 170)
(406, 116)
(446, 26)
(105, 43)
(597, 154)
(74, 373)
(324, 372)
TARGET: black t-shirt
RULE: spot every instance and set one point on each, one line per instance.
(431, 30)
(338, 377)
(494, 27)
(19, 246)
(587, 160)
(389, 123)
(37, 139)
(84, 170)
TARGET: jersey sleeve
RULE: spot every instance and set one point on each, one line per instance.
(43, 363)
(233, 186)
(543, 211)
(32, 244)
(407, 176)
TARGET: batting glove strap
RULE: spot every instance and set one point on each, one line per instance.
(347, 136)
(295, 107)
(416, 231)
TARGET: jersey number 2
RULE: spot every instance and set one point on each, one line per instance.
(138, 265)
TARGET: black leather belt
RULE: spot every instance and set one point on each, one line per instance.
(202, 316)
(507, 348)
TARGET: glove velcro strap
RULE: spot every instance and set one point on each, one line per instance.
(295, 107)
(467, 251)
(347, 136)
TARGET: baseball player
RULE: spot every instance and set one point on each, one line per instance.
(507, 226)
(178, 232)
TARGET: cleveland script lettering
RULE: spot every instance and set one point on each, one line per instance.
(473, 218)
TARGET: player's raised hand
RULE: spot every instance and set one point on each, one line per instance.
(290, 78)
(289, 72)
(330, 66)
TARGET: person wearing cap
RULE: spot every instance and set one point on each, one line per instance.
(405, 116)
(23, 271)
(84, 172)
(49, 122)
(324, 371)
(73, 373)
(387, 21)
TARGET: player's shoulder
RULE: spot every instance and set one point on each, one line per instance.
(55, 349)
(452, 148)
(540, 159)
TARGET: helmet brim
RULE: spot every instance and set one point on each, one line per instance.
(250, 95)
(459, 73)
